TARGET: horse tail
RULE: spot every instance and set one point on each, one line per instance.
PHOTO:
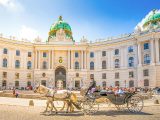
(74, 97)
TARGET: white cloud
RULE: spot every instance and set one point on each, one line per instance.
(11, 5)
(27, 33)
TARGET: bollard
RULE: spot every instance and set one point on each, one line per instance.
(31, 103)
(156, 102)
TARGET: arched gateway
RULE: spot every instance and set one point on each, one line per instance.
(60, 78)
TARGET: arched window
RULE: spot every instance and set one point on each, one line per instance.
(5, 51)
(4, 62)
(4, 83)
(146, 46)
(104, 84)
(146, 59)
(117, 83)
(131, 83)
(17, 64)
(104, 66)
(91, 65)
(76, 65)
(29, 65)
(146, 82)
(131, 62)
(116, 63)
(44, 65)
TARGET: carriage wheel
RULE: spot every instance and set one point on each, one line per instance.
(135, 104)
(90, 107)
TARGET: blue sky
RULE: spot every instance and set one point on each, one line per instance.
(94, 19)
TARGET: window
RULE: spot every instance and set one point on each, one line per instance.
(77, 74)
(103, 53)
(116, 52)
(5, 51)
(28, 75)
(92, 54)
(91, 65)
(16, 75)
(29, 54)
(103, 75)
(29, 65)
(28, 83)
(131, 62)
(146, 46)
(116, 83)
(146, 82)
(4, 74)
(130, 49)
(104, 65)
(116, 63)
(17, 53)
(76, 54)
(104, 84)
(44, 65)
(131, 74)
(44, 54)
(91, 76)
(43, 74)
(131, 83)
(4, 83)
(16, 84)
(146, 59)
(76, 65)
(4, 62)
(17, 64)
(116, 75)
(146, 72)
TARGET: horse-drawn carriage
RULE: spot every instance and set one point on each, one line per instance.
(128, 101)
(89, 105)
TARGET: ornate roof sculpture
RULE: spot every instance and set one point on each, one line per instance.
(60, 28)
(150, 22)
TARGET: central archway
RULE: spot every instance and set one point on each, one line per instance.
(60, 78)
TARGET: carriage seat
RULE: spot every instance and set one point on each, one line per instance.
(105, 92)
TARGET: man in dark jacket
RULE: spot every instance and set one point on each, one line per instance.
(92, 85)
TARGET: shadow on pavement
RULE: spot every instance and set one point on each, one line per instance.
(112, 113)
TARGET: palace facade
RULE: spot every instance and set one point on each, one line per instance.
(129, 60)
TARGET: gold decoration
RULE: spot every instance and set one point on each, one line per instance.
(60, 60)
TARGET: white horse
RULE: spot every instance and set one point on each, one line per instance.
(67, 97)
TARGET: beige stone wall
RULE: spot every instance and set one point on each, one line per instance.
(67, 52)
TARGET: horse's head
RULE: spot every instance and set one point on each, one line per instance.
(40, 89)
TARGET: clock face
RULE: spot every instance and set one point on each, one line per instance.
(60, 60)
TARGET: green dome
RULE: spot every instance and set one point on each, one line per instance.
(153, 18)
(60, 24)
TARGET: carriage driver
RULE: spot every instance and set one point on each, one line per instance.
(92, 86)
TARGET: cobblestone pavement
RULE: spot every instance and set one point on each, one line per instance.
(36, 113)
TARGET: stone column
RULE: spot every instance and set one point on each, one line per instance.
(69, 59)
(52, 59)
(139, 55)
(49, 57)
(39, 59)
(157, 50)
(85, 59)
(72, 63)
(122, 58)
(152, 51)
(82, 59)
